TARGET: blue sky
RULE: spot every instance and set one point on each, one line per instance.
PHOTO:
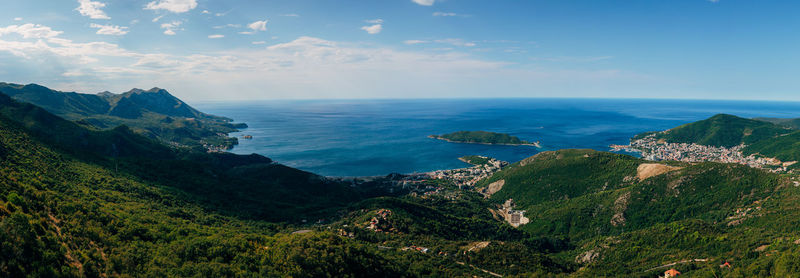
(239, 50)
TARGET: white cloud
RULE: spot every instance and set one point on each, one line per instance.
(30, 31)
(373, 29)
(444, 14)
(171, 27)
(205, 12)
(258, 25)
(255, 27)
(157, 18)
(17, 19)
(374, 21)
(424, 2)
(413, 42)
(216, 36)
(92, 9)
(175, 6)
(259, 42)
(110, 29)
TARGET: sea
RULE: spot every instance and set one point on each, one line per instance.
(377, 137)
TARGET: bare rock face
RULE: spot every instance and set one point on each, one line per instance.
(587, 257)
(494, 187)
(648, 170)
(620, 205)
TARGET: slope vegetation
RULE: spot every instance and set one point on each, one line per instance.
(723, 131)
(154, 113)
(624, 226)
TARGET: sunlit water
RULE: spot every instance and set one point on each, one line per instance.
(378, 137)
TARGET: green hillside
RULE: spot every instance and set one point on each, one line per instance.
(251, 185)
(154, 113)
(723, 131)
(785, 147)
(60, 217)
(624, 226)
(562, 175)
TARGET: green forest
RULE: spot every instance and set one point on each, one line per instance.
(78, 201)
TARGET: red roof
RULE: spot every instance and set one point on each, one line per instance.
(672, 273)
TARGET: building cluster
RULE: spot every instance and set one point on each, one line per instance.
(468, 177)
(380, 222)
(512, 216)
(415, 248)
(654, 149)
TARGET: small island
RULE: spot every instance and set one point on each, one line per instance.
(484, 137)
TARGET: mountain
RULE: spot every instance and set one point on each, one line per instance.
(764, 137)
(629, 217)
(247, 185)
(723, 130)
(154, 113)
(61, 216)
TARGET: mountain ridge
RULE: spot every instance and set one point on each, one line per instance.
(154, 113)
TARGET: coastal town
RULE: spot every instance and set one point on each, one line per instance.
(655, 149)
(468, 177)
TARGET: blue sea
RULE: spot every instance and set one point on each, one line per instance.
(378, 137)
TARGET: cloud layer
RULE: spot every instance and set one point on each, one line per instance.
(306, 67)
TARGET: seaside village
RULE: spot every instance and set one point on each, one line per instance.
(655, 149)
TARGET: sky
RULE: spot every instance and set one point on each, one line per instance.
(303, 49)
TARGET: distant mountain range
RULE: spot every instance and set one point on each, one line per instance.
(154, 113)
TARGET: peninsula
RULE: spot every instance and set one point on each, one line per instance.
(484, 137)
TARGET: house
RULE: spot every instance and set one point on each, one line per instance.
(671, 273)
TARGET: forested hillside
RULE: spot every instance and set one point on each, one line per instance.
(723, 131)
(626, 219)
